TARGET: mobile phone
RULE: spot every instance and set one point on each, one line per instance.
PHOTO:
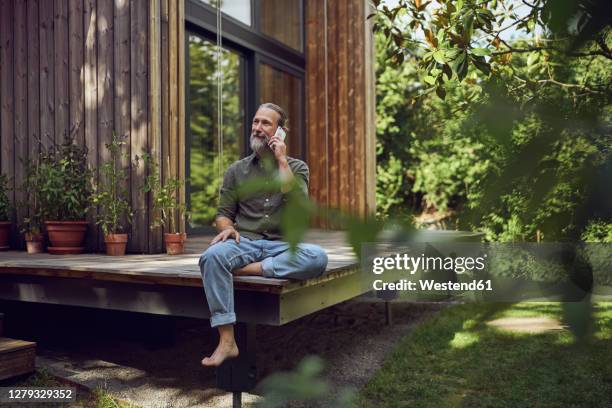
(280, 132)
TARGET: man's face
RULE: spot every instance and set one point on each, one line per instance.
(264, 124)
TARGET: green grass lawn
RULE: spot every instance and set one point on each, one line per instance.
(457, 360)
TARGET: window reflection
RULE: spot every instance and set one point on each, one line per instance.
(284, 90)
(239, 9)
(203, 119)
(281, 20)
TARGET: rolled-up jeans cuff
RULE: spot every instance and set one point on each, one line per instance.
(221, 319)
(267, 267)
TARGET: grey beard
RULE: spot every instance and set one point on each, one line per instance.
(258, 145)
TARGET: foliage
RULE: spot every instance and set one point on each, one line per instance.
(448, 39)
(111, 194)
(598, 231)
(65, 188)
(4, 200)
(166, 206)
(521, 154)
(31, 188)
(305, 385)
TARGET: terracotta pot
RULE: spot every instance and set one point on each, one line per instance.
(66, 237)
(35, 243)
(5, 231)
(115, 244)
(175, 243)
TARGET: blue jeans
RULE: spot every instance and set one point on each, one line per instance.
(277, 261)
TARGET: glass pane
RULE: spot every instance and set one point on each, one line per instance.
(205, 174)
(239, 9)
(284, 90)
(280, 19)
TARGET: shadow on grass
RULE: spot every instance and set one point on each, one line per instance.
(457, 360)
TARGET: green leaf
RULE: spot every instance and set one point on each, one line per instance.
(441, 92)
(439, 56)
(429, 79)
(481, 52)
(533, 58)
(460, 65)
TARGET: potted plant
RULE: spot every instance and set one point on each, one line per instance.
(31, 225)
(5, 224)
(112, 198)
(166, 207)
(65, 196)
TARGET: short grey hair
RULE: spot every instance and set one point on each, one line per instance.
(283, 120)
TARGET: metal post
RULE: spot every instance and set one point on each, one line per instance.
(237, 399)
(388, 313)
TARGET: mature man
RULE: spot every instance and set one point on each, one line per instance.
(253, 223)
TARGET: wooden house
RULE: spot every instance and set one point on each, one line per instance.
(147, 70)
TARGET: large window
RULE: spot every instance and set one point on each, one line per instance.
(208, 155)
(262, 61)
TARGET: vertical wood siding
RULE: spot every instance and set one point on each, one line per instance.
(89, 68)
(340, 105)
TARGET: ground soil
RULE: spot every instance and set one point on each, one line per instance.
(155, 362)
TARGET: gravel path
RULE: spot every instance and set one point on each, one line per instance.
(352, 338)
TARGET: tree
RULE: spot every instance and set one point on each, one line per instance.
(448, 37)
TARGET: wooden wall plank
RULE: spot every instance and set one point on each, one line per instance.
(105, 100)
(105, 72)
(21, 108)
(353, 137)
(155, 100)
(76, 79)
(139, 116)
(181, 105)
(7, 108)
(170, 157)
(369, 87)
(164, 146)
(61, 70)
(90, 75)
(332, 99)
(33, 80)
(342, 106)
(360, 106)
(121, 93)
(322, 162)
(47, 98)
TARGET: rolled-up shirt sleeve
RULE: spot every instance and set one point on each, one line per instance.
(228, 199)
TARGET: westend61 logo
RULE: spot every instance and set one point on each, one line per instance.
(413, 264)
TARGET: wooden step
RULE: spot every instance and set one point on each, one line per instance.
(16, 357)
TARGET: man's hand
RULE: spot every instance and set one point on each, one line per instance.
(279, 148)
(225, 234)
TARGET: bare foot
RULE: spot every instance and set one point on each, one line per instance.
(224, 351)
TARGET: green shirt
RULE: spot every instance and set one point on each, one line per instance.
(257, 216)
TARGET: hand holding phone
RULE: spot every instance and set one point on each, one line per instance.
(278, 143)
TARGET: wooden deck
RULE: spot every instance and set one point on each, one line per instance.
(161, 269)
(172, 285)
